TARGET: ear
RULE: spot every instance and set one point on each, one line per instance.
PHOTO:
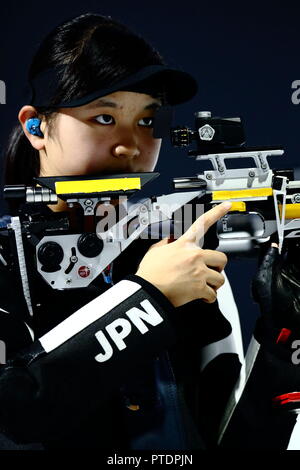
(26, 113)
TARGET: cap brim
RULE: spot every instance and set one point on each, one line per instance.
(177, 86)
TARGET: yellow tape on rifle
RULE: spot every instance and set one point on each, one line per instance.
(239, 206)
(241, 194)
(292, 211)
(97, 186)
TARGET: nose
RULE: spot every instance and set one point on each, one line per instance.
(126, 147)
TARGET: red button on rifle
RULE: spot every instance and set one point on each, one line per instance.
(84, 271)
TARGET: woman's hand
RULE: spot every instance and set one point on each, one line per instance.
(181, 270)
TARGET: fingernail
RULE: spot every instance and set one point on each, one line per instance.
(227, 204)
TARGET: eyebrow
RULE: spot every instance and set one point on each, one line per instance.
(111, 104)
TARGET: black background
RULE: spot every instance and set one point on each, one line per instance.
(244, 55)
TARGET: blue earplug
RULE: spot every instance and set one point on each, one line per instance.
(33, 127)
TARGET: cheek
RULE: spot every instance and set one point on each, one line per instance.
(82, 151)
(151, 152)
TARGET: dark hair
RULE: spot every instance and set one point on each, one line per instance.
(86, 49)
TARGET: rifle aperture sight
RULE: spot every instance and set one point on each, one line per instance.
(211, 134)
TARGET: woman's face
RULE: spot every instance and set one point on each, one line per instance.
(112, 134)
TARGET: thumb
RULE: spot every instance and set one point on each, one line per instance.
(198, 229)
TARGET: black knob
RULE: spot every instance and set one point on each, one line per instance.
(50, 255)
(89, 245)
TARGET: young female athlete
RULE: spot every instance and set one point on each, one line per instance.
(120, 366)
(96, 87)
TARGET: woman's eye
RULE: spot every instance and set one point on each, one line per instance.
(146, 122)
(105, 119)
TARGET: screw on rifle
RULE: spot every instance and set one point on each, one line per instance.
(296, 198)
(208, 176)
(143, 209)
(68, 281)
(251, 174)
(219, 163)
(109, 238)
(262, 162)
(88, 202)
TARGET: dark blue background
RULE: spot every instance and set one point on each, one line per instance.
(244, 55)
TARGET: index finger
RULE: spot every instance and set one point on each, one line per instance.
(198, 229)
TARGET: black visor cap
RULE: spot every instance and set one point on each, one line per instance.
(177, 87)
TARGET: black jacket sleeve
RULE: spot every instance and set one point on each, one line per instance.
(67, 373)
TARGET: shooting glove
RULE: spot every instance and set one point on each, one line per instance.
(265, 415)
(276, 288)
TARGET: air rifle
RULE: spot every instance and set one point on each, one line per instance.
(264, 202)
